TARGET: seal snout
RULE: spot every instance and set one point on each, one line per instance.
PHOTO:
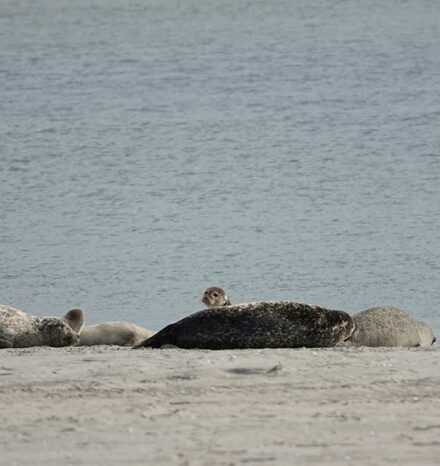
(205, 298)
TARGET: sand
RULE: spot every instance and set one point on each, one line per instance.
(114, 406)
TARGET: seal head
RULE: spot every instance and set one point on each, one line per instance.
(54, 332)
(215, 297)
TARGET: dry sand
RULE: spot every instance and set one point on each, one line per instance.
(117, 406)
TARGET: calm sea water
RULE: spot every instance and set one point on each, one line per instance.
(279, 149)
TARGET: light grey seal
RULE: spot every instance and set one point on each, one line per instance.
(271, 324)
(390, 326)
(21, 330)
(113, 333)
(215, 297)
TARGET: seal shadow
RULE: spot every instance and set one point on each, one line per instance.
(255, 370)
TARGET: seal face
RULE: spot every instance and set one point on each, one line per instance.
(267, 324)
(21, 330)
(113, 333)
(215, 297)
(390, 326)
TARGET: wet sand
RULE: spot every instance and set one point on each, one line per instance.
(113, 406)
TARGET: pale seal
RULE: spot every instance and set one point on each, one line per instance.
(271, 324)
(390, 326)
(113, 333)
(215, 297)
(21, 330)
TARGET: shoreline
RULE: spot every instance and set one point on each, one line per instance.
(115, 405)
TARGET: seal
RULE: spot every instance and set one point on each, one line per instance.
(266, 324)
(21, 330)
(390, 326)
(113, 333)
(215, 297)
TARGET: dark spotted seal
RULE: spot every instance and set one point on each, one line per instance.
(390, 326)
(215, 297)
(21, 330)
(272, 324)
(113, 333)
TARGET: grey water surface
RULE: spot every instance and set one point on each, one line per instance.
(279, 149)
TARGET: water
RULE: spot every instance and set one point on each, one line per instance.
(279, 149)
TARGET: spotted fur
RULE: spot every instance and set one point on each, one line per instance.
(390, 326)
(272, 324)
(21, 330)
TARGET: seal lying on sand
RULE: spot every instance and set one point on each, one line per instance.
(215, 297)
(21, 330)
(113, 333)
(271, 324)
(390, 326)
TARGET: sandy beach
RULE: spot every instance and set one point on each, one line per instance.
(110, 405)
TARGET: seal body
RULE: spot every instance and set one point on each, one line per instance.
(215, 297)
(271, 324)
(21, 330)
(113, 333)
(390, 326)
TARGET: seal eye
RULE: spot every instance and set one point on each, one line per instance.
(215, 295)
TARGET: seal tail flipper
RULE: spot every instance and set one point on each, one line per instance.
(75, 319)
(158, 339)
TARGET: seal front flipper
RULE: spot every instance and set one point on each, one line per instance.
(5, 342)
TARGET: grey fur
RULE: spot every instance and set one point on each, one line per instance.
(21, 330)
(272, 324)
(390, 326)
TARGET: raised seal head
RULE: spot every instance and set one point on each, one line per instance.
(215, 297)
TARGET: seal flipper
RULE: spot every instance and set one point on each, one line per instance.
(5, 343)
(159, 339)
(75, 319)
